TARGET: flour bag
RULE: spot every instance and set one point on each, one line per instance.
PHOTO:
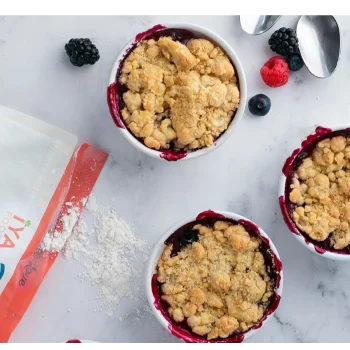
(38, 162)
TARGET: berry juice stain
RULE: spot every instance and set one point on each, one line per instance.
(113, 104)
(172, 156)
(209, 214)
(73, 341)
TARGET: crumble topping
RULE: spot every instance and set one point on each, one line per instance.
(184, 95)
(218, 285)
(321, 191)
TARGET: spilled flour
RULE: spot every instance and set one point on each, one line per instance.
(54, 242)
(109, 252)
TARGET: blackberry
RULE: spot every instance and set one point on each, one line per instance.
(81, 52)
(284, 42)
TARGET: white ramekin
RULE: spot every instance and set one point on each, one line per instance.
(288, 170)
(158, 249)
(113, 103)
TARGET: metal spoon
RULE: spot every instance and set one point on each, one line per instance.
(257, 24)
(319, 43)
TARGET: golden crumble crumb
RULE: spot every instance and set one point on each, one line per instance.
(192, 86)
(321, 191)
(219, 284)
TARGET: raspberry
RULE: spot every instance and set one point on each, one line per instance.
(275, 72)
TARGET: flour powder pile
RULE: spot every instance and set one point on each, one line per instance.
(110, 254)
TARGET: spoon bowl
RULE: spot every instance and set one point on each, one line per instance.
(319, 43)
(256, 25)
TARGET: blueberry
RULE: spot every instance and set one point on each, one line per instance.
(295, 62)
(259, 105)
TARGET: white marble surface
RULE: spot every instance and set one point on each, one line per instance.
(241, 176)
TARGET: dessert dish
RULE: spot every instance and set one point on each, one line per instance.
(315, 201)
(180, 93)
(177, 91)
(217, 279)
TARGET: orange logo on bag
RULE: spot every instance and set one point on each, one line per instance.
(13, 231)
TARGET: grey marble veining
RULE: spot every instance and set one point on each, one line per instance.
(241, 176)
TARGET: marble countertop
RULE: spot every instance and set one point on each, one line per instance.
(241, 176)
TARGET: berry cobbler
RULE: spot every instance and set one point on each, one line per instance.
(215, 278)
(178, 94)
(320, 192)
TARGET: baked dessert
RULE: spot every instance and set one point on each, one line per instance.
(216, 278)
(320, 191)
(177, 92)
